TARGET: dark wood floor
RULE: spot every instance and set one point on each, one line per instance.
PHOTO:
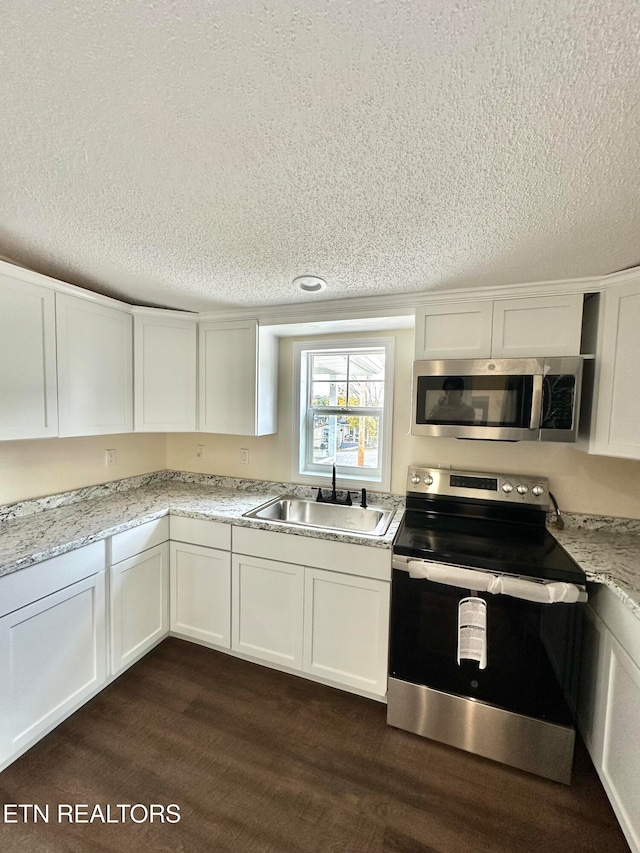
(262, 761)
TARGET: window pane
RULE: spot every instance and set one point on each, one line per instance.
(366, 394)
(329, 394)
(368, 365)
(346, 440)
(331, 366)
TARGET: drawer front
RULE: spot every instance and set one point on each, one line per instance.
(320, 553)
(200, 531)
(21, 588)
(137, 539)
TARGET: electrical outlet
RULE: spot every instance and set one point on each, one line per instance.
(200, 451)
(109, 458)
(244, 456)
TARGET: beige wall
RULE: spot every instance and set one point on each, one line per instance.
(30, 469)
(581, 483)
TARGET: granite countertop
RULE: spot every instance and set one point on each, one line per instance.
(37, 530)
(607, 549)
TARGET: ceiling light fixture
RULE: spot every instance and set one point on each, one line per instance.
(310, 283)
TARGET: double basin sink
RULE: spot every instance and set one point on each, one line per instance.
(288, 509)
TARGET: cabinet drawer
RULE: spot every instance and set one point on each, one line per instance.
(137, 539)
(199, 531)
(323, 553)
(34, 582)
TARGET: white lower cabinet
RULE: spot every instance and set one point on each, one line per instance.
(609, 705)
(329, 621)
(267, 610)
(200, 594)
(52, 650)
(346, 629)
(139, 605)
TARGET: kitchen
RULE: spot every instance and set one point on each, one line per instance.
(584, 484)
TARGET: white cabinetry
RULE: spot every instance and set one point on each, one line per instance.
(328, 619)
(165, 373)
(346, 629)
(454, 330)
(615, 425)
(95, 369)
(609, 707)
(52, 645)
(28, 385)
(267, 610)
(200, 591)
(506, 328)
(139, 592)
(238, 378)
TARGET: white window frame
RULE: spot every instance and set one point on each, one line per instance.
(381, 477)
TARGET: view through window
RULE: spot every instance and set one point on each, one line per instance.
(343, 411)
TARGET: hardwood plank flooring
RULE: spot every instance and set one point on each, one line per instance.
(264, 762)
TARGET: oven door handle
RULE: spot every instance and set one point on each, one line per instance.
(542, 592)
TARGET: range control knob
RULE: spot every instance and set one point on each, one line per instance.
(428, 480)
(507, 488)
(521, 489)
(415, 478)
(537, 490)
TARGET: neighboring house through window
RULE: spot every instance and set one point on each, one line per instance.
(344, 411)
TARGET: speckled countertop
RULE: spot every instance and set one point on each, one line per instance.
(607, 549)
(37, 530)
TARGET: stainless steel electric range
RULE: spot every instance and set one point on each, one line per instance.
(486, 614)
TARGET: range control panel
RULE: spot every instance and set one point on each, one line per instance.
(510, 488)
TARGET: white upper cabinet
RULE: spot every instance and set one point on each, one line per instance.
(95, 367)
(545, 325)
(165, 374)
(615, 424)
(506, 328)
(238, 378)
(454, 330)
(28, 393)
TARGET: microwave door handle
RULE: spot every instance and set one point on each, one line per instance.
(536, 401)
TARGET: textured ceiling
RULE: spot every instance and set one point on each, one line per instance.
(195, 154)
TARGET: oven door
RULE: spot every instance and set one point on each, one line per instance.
(486, 399)
(526, 659)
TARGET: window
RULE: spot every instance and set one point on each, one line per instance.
(344, 412)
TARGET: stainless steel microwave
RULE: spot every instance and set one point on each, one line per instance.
(516, 399)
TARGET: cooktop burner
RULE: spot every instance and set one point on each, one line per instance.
(509, 548)
(495, 522)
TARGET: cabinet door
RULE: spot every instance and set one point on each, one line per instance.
(267, 610)
(95, 364)
(454, 330)
(544, 325)
(237, 384)
(52, 658)
(165, 374)
(28, 385)
(139, 605)
(620, 757)
(200, 594)
(347, 629)
(617, 415)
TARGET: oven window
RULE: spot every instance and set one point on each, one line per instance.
(492, 401)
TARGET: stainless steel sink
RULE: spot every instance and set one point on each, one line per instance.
(288, 509)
